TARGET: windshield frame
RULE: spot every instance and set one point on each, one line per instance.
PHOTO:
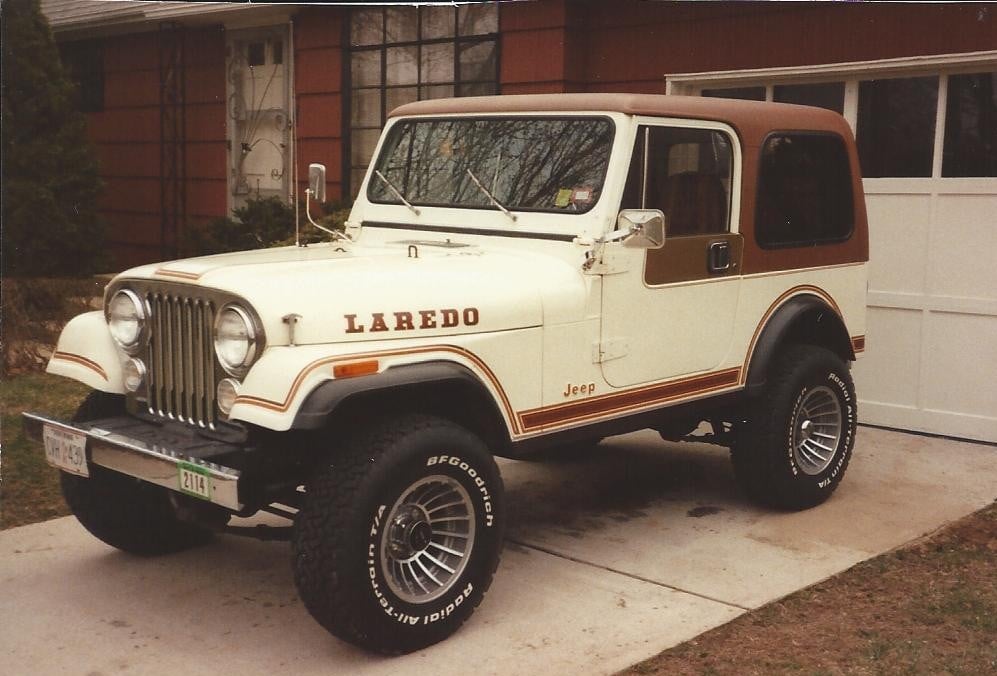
(391, 129)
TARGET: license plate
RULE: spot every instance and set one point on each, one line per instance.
(66, 450)
(194, 480)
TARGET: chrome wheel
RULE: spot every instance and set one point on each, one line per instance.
(428, 539)
(816, 430)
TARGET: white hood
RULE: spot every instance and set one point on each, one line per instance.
(355, 293)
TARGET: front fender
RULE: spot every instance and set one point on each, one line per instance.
(296, 386)
(325, 398)
(87, 353)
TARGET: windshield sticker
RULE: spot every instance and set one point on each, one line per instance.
(581, 195)
(563, 198)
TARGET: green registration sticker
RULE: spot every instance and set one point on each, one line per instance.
(194, 480)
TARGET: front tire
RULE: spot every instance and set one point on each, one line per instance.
(126, 513)
(794, 448)
(399, 534)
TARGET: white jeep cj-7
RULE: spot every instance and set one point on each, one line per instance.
(517, 273)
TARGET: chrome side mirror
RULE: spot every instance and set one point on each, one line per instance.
(641, 228)
(316, 181)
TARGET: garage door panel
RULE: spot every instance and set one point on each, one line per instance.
(963, 259)
(887, 373)
(898, 231)
(959, 364)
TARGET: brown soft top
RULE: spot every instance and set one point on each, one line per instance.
(752, 119)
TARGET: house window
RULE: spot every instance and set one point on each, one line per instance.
(804, 191)
(744, 93)
(404, 54)
(971, 126)
(84, 63)
(830, 95)
(896, 126)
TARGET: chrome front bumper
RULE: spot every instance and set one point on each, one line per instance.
(137, 449)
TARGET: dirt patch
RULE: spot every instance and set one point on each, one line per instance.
(33, 312)
(928, 608)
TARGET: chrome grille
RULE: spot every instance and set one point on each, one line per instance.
(181, 384)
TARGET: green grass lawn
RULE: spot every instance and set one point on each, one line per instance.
(29, 488)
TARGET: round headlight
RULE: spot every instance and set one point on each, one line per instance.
(235, 339)
(126, 318)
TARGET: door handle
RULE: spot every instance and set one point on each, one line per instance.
(718, 257)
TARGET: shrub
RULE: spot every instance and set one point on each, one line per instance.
(50, 181)
(261, 222)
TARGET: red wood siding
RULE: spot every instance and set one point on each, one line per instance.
(630, 46)
(126, 135)
(318, 85)
(533, 53)
(206, 149)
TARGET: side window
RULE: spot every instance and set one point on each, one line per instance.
(804, 191)
(686, 173)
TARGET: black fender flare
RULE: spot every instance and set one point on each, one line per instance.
(328, 396)
(790, 320)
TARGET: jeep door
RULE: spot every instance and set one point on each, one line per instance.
(669, 312)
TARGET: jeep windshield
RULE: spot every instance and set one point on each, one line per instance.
(526, 163)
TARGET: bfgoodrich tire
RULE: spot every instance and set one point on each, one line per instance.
(794, 448)
(399, 534)
(128, 514)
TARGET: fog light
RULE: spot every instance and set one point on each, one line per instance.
(134, 374)
(228, 390)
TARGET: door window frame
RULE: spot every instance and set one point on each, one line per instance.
(734, 215)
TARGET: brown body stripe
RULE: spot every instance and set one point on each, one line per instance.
(81, 361)
(627, 400)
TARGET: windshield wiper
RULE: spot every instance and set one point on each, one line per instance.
(397, 192)
(490, 196)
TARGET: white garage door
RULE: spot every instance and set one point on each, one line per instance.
(931, 352)
(927, 134)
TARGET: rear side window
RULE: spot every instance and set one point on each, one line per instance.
(804, 191)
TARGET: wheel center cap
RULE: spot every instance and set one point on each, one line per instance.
(419, 535)
(806, 429)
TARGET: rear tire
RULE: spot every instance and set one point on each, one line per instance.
(126, 513)
(794, 448)
(399, 534)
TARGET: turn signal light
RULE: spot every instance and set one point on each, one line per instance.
(356, 368)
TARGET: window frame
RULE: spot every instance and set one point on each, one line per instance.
(734, 206)
(456, 40)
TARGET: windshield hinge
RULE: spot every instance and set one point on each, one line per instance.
(603, 260)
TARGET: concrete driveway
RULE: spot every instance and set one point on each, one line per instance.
(612, 556)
